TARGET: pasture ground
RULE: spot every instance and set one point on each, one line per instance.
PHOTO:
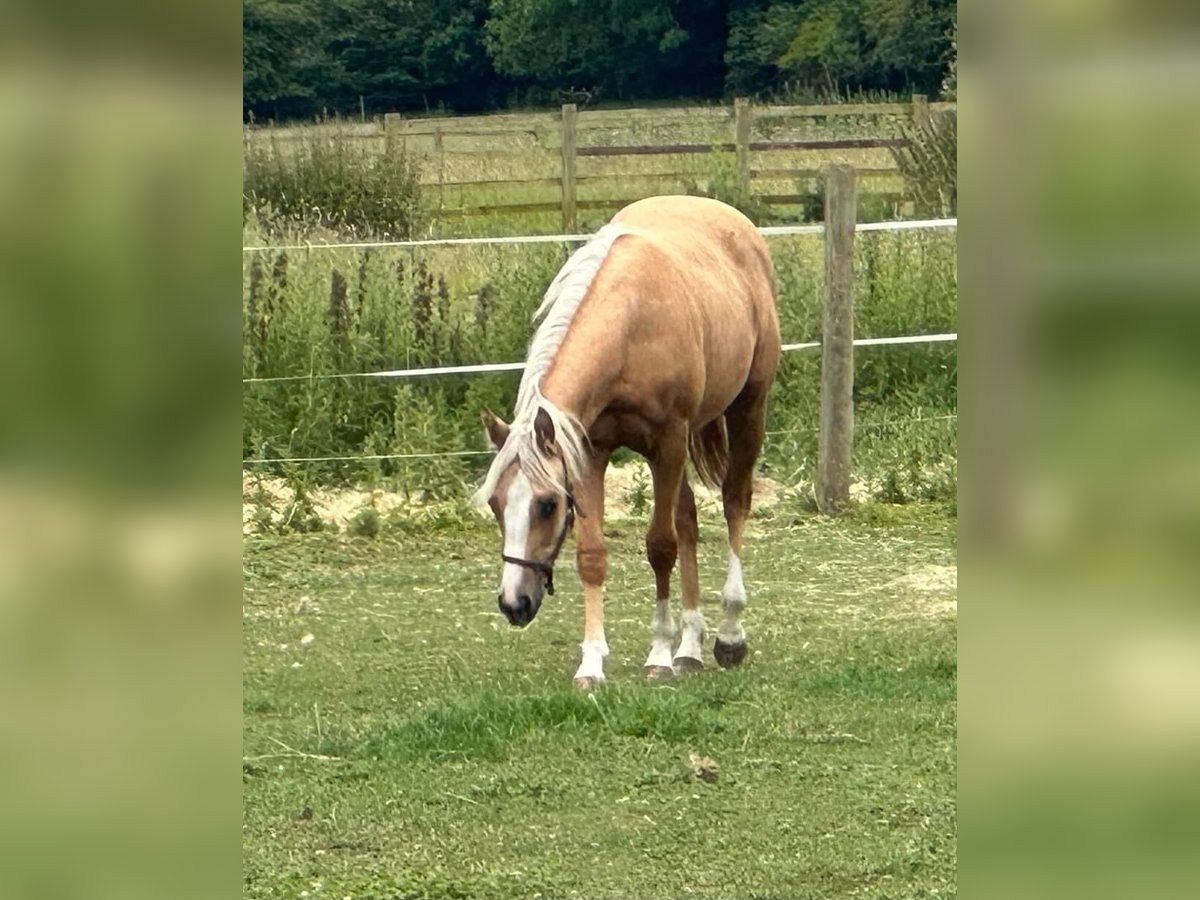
(402, 741)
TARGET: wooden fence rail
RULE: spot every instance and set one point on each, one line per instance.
(546, 122)
(554, 181)
(741, 148)
(582, 135)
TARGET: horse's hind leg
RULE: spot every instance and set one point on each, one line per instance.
(689, 656)
(745, 423)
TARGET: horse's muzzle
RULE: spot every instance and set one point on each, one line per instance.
(521, 612)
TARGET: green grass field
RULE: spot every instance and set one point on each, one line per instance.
(402, 741)
(415, 746)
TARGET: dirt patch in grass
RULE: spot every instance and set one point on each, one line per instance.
(335, 507)
(628, 492)
(931, 590)
(932, 578)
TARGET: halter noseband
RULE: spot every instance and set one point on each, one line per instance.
(547, 567)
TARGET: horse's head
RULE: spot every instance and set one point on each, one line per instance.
(534, 517)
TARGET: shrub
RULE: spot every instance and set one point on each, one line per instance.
(721, 181)
(332, 180)
(929, 164)
(300, 514)
(869, 207)
(365, 523)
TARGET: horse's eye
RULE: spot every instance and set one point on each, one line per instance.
(546, 507)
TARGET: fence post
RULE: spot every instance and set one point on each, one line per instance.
(836, 439)
(391, 130)
(741, 139)
(920, 110)
(568, 167)
(441, 164)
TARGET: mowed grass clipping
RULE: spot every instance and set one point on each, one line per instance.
(402, 741)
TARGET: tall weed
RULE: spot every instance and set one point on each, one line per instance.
(328, 180)
(329, 314)
(929, 164)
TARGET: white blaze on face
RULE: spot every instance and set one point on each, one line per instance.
(516, 533)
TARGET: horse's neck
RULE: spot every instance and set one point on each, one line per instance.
(576, 396)
(585, 367)
(579, 381)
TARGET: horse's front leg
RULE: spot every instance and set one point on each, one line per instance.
(662, 546)
(591, 559)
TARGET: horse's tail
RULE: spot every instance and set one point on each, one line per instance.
(709, 450)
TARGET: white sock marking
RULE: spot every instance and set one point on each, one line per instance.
(735, 591)
(516, 533)
(592, 663)
(691, 643)
(662, 636)
(733, 602)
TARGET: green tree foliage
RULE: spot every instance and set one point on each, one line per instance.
(838, 45)
(620, 46)
(407, 55)
(825, 47)
(277, 40)
(950, 82)
(304, 57)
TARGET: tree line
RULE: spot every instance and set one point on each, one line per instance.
(305, 58)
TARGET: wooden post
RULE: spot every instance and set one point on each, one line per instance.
(836, 439)
(568, 167)
(741, 140)
(391, 130)
(920, 110)
(362, 109)
(441, 164)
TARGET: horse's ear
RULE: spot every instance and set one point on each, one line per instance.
(495, 428)
(543, 430)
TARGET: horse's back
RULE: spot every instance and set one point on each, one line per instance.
(687, 226)
(697, 286)
(712, 279)
(707, 248)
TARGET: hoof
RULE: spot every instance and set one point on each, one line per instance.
(587, 684)
(729, 655)
(658, 673)
(688, 665)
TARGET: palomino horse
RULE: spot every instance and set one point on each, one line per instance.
(661, 335)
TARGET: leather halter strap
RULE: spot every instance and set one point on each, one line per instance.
(547, 567)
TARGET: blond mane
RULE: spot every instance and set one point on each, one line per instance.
(558, 307)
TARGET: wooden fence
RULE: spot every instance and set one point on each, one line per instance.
(836, 417)
(555, 143)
